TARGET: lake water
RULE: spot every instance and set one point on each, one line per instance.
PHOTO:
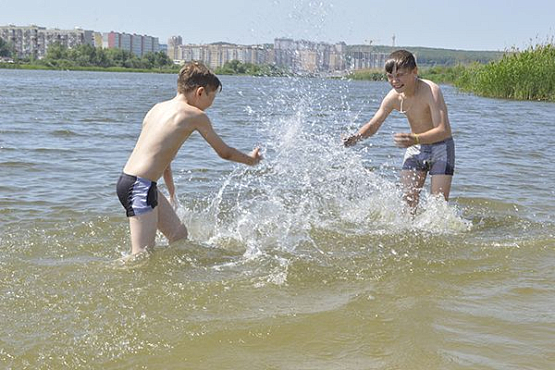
(307, 261)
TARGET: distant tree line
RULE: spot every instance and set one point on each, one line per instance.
(519, 74)
(6, 49)
(236, 67)
(87, 56)
(430, 57)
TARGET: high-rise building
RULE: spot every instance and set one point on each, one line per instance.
(309, 57)
(33, 41)
(216, 55)
(364, 57)
(174, 43)
(137, 44)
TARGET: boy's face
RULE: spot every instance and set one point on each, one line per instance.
(402, 78)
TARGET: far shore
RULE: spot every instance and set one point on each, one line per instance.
(91, 69)
(524, 75)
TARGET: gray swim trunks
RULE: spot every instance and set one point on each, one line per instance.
(136, 194)
(437, 158)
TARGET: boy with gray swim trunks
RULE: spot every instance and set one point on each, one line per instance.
(430, 146)
(436, 158)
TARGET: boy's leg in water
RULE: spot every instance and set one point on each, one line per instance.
(168, 222)
(143, 231)
(441, 184)
(412, 182)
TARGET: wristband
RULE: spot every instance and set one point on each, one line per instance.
(417, 139)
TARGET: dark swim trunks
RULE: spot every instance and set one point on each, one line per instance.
(437, 158)
(136, 194)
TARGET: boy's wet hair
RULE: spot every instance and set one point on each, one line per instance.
(194, 75)
(400, 59)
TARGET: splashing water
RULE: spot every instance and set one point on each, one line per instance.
(309, 184)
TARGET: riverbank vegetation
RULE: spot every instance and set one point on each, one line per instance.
(236, 67)
(428, 57)
(519, 74)
(87, 57)
(438, 74)
(6, 49)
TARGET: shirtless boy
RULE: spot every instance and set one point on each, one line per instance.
(430, 147)
(165, 128)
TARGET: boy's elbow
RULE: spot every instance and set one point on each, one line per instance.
(226, 153)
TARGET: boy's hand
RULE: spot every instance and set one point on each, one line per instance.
(351, 140)
(404, 140)
(255, 154)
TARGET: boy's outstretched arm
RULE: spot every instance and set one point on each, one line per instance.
(372, 126)
(204, 126)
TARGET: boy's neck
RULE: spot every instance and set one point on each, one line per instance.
(188, 99)
(412, 90)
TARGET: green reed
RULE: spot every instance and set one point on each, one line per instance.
(521, 75)
(442, 74)
(367, 75)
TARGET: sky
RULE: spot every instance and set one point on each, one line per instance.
(465, 25)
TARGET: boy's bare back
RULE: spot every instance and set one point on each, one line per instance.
(165, 128)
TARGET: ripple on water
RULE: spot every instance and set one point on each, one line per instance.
(309, 260)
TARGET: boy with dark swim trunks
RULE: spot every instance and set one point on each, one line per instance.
(165, 128)
(430, 147)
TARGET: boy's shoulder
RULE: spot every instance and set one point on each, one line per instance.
(177, 111)
(182, 108)
(191, 116)
(432, 92)
(392, 96)
(431, 84)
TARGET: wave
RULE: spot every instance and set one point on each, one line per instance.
(18, 164)
(64, 133)
(54, 150)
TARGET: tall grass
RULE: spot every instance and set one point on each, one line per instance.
(368, 74)
(442, 74)
(521, 75)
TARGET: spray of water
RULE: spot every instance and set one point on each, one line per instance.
(309, 184)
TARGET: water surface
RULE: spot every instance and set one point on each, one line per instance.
(307, 261)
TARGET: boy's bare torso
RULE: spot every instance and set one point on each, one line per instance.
(165, 127)
(418, 107)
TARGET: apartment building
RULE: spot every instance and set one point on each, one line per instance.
(301, 56)
(297, 56)
(174, 43)
(33, 41)
(310, 57)
(137, 44)
(364, 57)
(217, 54)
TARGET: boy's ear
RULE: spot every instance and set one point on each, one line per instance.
(200, 90)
